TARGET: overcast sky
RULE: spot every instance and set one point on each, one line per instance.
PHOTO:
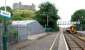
(66, 7)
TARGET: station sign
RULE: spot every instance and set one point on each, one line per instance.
(5, 14)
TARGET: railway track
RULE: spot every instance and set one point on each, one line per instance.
(74, 43)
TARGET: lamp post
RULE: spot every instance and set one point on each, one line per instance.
(78, 24)
(45, 14)
(47, 20)
(81, 23)
(80, 19)
(5, 5)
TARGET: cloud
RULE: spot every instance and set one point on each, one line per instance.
(68, 7)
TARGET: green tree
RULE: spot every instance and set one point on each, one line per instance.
(47, 10)
(79, 15)
(22, 14)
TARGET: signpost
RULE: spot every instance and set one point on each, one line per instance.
(5, 15)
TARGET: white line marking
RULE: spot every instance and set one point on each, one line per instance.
(54, 41)
(65, 42)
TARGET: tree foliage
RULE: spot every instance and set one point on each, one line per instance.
(47, 9)
(22, 14)
(79, 15)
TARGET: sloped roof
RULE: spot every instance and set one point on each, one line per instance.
(23, 22)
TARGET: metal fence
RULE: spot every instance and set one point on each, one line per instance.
(17, 33)
(12, 38)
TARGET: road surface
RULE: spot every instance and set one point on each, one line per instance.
(43, 44)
